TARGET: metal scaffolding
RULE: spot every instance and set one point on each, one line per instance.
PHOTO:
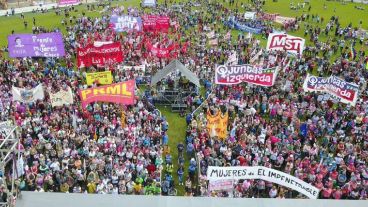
(9, 155)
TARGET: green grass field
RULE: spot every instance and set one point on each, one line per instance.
(177, 125)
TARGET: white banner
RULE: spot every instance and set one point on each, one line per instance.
(28, 96)
(277, 41)
(249, 15)
(5, 128)
(233, 59)
(284, 20)
(141, 68)
(263, 173)
(62, 97)
(220, 185)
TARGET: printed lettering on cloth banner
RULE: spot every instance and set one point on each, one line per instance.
(215, 185)
(41, 45)
(229, 75)
(160, 52)
(5, 128)
(68, 2)
(153, 23)
(125, 23)
(28, 95)
(313, 83)
(102, 78)
(122, 93)
(105, 54)
(284, 20)
(341, 90)
(344, 91)
(63, 97)
(141, 68)
(233, 23)
(263, 173)
(291, 44)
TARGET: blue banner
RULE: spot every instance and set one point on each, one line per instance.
(232, 23)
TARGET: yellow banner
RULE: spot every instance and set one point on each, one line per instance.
(217, 124)
(102, 78)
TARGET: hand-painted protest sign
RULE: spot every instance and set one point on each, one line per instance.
(63, 97)
(341, 90)
(106, 54)
(31, 45)
(156, 23)
(285, 42)
(103, 78)
(125, 23)
(28, 95)
(263, 173)
(122, 93)
(229, 75)
(68, 2)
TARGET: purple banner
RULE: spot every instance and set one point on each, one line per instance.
(41, 45)
(125, 23)
(68, 2)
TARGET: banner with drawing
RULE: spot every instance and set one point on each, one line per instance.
(28, 95)
(102, 78)
(217, 124)
(63, 97)
(263, 173)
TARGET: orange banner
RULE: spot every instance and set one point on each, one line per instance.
(217, 124)
(122, 93)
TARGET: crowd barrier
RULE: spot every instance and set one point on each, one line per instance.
(34, 199)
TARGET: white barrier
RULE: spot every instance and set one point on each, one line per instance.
(33, 199)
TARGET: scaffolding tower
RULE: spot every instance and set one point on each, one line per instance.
(9, 155)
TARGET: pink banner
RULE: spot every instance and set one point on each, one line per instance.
(229, 75)
(122, 93)
(105, 54)
(156, 23)
(68, 2)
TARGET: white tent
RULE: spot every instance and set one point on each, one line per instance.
(148, 3)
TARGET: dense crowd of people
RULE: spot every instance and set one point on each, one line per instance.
(107, 148)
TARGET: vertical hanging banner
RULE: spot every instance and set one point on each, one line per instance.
(105, 54)
(263, 173)
(122, 93)
(291, 44)
(31, 45)
(229, 75)
(125, 23)
(26, 95)
(63, 97)
(103, 78)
